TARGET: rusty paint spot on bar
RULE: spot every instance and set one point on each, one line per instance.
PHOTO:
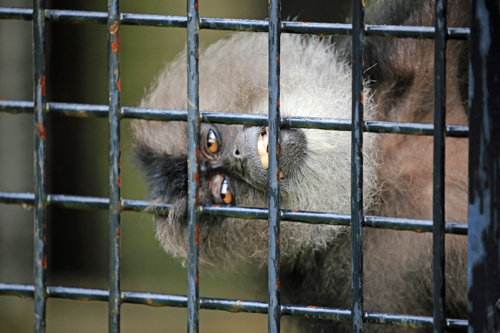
(117, 232)
(44, 262)
(302, 22)
(42, 84)
(312, 306)
(114, 28)
(118, 181)
(197, 238)
(115, 45)
(41, 131)
(118, 84)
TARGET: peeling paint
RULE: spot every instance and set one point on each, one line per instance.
(41, 131)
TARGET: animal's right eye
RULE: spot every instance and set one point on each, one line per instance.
(221, 190)
(212, 141)
(225, 193)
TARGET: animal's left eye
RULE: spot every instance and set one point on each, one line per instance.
(212, 141)
(225, 193)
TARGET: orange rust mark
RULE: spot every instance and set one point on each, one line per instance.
(115, 46)
(312, 306)
(362, 97)
(295, 210)
(42, 84)
(278, 103)
(361, 148)
(279, 242)
(197, 178)
(197, 238)
(278, 285)
(118, 84)
(278, 150)
(83, 300)
(119, 162)
(196, 5)
(215, 205)
(303, 22)
(44, 262)
(118, 181)
(363, 3)
(114, 28)
(118, 232)
(198, 280)
(41, 131)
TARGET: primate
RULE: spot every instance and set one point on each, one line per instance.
(315, 164)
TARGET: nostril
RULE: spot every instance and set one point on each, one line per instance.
(236, 152)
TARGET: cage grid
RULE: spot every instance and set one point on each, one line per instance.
(40, 199)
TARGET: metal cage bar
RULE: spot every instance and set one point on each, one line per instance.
(114, 165)
(156, 300)
(81, 202)
(439, 165)
(39, 129)
(358, 12)
(484, 169)
(89, 110)
(273, 171)
(193, 122)
(75, 16)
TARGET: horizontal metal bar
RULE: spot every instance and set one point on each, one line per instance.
(76, 16)
(80, 202)
(160, 300)
(90, 110)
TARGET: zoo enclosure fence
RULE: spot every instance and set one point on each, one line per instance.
(483, 234)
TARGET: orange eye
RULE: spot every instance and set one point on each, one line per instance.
(212, 142)
(225, 194)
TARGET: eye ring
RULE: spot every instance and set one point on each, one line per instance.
(212, 141)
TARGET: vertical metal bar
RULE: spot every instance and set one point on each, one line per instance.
(273, 172)
(40, 212)
(439, 159)
(193, 122)
(114, 165)
(484, 168)
(357, 167)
